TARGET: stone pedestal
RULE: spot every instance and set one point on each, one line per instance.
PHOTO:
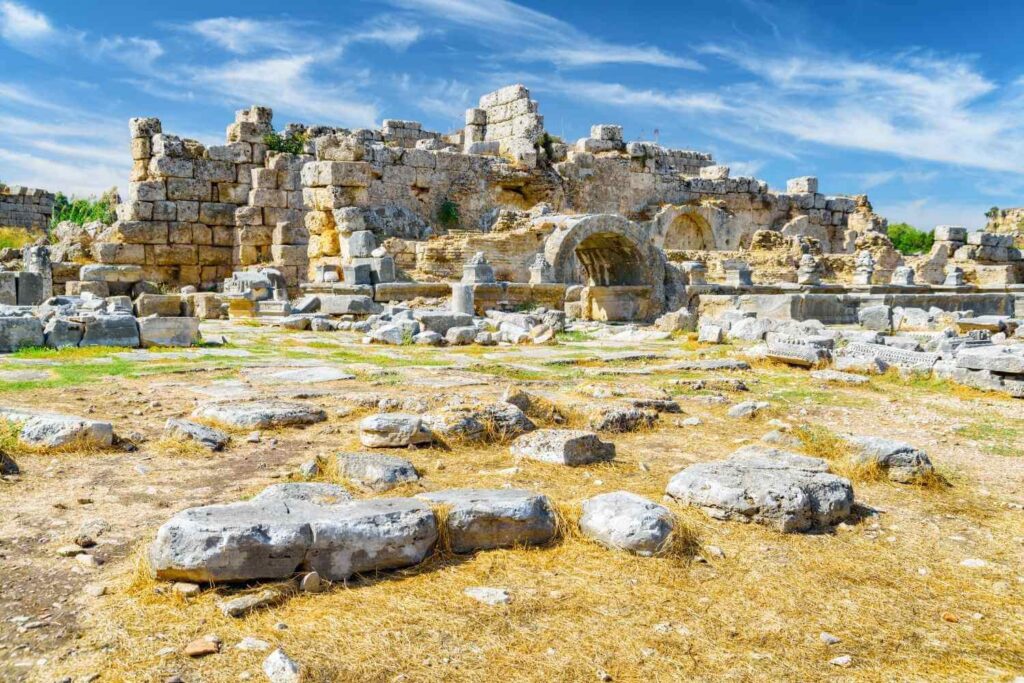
(737, 273)
(462, 298)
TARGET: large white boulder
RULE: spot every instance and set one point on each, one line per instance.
(480, 519)
(260, 414)
(626, 521)
(563, 447)
(393, 430)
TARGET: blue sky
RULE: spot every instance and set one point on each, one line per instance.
(919, 105)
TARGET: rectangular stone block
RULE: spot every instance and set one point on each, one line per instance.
(179, 233)
(165, 211)
(215, 256)
(272, 198)
(187, 212)
(289, 255)
(188, 189)
(30, 289)
(80, 287)
(215, 213)
(215, 170)
(111, 330)
(147, 191)
(233, 193)
(18, 332)
(168, 332)
(175, 254)
(139, 232)
(8, 288)
(288, 232)
(202, 305)
(170, 167)
(168, 305)
(135, 211)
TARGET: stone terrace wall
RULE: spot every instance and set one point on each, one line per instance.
(26, 207)
(506, 122)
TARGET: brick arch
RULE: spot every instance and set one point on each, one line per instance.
(690, 228)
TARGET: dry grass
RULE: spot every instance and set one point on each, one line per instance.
(820, 442)
(180, 448)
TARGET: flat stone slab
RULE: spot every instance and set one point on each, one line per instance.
(312, 375)
(480, 519)
(25, 375)
(211, 438)
(54, 430)
(223, 389)
(563, 447)
(375, 472)
(776, 488)
(260, 414)
(273, 539)
(901, 462)
(712, 364)
(626, 521)
(393, 430)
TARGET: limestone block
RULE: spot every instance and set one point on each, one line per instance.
(604, 131)
(216, 213)
(111, 330)
(147, 191)
(31, 288)
(626, 521)
(167, 305)
(188, 189)
(170, 167)
(144, 127)
(139, 232)
(178, 331)
(272, 198)
(344, 304)
(483, 519)
(563, 446)
(110, 273)
(802, 185)
(61, 334)
(135, 211)
(179, 234)
(18, 332)
(165, 211)
(289, 255)
(290, 232)
(113, 253)
(393, 430)
(214, 256)
(8, 288)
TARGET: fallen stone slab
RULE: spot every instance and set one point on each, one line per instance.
(626, 521)
(159, 331)
(563, 447)
(747, 409)
(20, 331)
(260, 414)
(783, 490)
(308, 492)
(310, 375)
(273, 539)
(710, 364)
(375, 472)
(998, 359)
(481, 519)
(837, 377)
(393, 430)
(111, 330)
(211, 438)
(54, 430)
(441, 321)
(901, 462)
(348, 304)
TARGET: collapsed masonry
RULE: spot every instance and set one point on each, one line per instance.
(25, 207)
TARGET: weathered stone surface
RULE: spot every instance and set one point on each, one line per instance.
(621, 419)
(111, 330)
(375, 472)
(260, 414)
(244, 604)
(837, 377)
(61, 334)
(393, 430)
(1001, 359)
(563, 447)
(441, 321)
(54, 430)
(308, 492)
(168, 305)
(211, 438)
(18, 332)
(348, 304)
(747, 409)
(901, 461)
(278, 667)
(877, 318)
(780, 489)
(626, 521)
(480, 519)
(169, 331)
(272, 539)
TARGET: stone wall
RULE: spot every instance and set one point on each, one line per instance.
(25, 207)
(505, 123)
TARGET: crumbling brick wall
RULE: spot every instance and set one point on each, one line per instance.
(25, 207)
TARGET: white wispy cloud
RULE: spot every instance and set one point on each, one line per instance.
(397, 33)
(20, 24)
(243, 36)
(535, 36)
(873, 179)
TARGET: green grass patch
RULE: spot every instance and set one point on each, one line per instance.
(995, 437)
(16, 238)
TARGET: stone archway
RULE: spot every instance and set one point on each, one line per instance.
(690, 228)
(610, 255)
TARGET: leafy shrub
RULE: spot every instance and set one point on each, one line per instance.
(82, 211)
(448, 213)
(291, 144)
(909, 240)
(992, 213)
(3, 187)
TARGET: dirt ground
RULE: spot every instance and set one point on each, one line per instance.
(925, 583)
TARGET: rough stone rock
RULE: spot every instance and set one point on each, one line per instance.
(563, 446)
(902, 462)
(7, 465)
(280, 668)
(428, 339)
(54, 430)
(783, 490)
(505, 420)
(211, 438)
(348, 304)
(62, 334)
(375, 472)
(272, 539)
(878, 318)
(260, 414)
(480, 519)
(441, 321)
(459, 424)
(308, 492)
(393, 430)
(747, 409)
(461, 336)
(169, 331)
(18, 332)
(488, 596)
(111, 330)
(626, 521)
(710, 334)
(243, 604)
(621, 419)
(396, 333)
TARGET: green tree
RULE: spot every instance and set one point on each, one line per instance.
(992, 213)
(909, 240)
